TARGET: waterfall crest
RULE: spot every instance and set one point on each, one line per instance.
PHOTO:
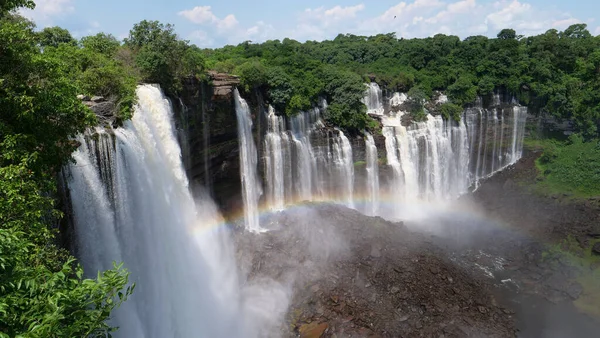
(373, 99)
(131, 203)
(304, 162)
(441, 159)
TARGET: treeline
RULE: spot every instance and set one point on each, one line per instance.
(555, 72)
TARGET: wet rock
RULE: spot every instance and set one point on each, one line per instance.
(375, 251)
(313, 330)
(97, 99)
(596, 249)
(574, 290)
(83, 97)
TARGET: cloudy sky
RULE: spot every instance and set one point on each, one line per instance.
(217, 23)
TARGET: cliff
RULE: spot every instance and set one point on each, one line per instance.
(304, 158)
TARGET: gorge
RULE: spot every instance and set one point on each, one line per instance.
(363, 186)
(286, 160)
(127, 183)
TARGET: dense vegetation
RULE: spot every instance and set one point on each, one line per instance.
(568, 166)
(42, 289)
(555, 72)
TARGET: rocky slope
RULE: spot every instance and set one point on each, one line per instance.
(357, 276)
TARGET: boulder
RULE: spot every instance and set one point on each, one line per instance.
(313, 330)
(98, 99)
(83, 97)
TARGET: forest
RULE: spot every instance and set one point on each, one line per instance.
(43, 292)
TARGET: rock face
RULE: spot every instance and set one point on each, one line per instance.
(596, 249)
(106, 111)
(206, 120)
(223, 85)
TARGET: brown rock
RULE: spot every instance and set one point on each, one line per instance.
(223, 84)
(313, 330)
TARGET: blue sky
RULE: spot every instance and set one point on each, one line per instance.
(217, 23)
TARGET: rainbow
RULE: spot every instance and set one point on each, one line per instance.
(411, 211)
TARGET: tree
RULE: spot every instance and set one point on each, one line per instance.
(53, 36)
(42, 289)
(161, 57)
(9, 5)
(102, 43)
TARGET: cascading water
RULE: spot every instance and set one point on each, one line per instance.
(439, 160)
(431, 160)
(372, 186)
(251, 189)
(275, 140)
(298, 170)
(131, 203)
(373, 99)
(344, 169)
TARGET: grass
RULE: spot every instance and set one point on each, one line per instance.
(568, 167)
(587, 266)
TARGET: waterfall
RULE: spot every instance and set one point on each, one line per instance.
(275, 141)
(373, 99)
(439, 160)
(296, 169)
(344, 169)
(251, 189)
(372, 175)
(131, 203)
(495, 138)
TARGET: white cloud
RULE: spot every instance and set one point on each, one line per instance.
(203, 15)
(597, 31)
(259, 32)
(565, 23)
(464, 18)
(314, 24)
(201, 38)
(408, 19)
(199, 15)
(46, 10)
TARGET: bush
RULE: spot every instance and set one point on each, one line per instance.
(451, 110)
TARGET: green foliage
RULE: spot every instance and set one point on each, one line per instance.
(54, 36)
(102, 43)
(161, 57)
(280, 87)
(94, 71)
(462, 91)
(42, 289)
(451, 110)
(556, 72)
(253, 74)
(9, 5)
(571, 166)
(416, 103)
